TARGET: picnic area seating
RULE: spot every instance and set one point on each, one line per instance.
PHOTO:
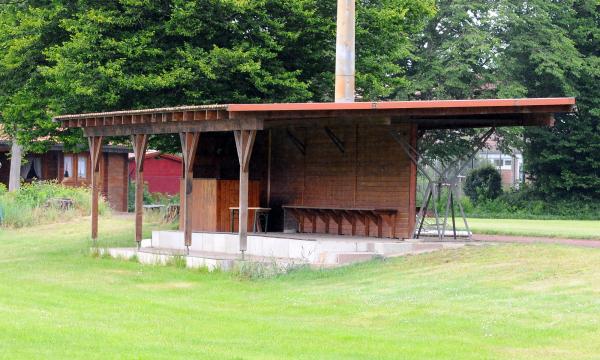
(366, 216)
(60, 203)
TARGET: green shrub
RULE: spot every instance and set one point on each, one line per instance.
(30, 204)
(525, 204)
(149, 198)
(483, 184)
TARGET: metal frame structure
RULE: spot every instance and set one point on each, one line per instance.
(445, 177)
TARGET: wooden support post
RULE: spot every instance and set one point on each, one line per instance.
(189, 144)
(95, 143)
(140, 143)
(244, 140)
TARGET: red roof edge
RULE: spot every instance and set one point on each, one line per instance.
(387, 105)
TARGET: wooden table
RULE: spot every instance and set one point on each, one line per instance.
(337, 215)
(154, 207)
(258, 211)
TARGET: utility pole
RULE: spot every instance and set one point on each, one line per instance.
(345, 51)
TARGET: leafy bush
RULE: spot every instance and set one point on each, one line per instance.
(150, 198)
(525, 204)
(32, 204)
(483, 184)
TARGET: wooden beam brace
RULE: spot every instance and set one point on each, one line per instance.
(336, 140)
(189, 144)
(299, 144)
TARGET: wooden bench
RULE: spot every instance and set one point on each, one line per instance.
(60, 203)
(366, 216)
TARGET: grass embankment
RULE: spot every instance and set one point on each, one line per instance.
(509, 301)
(573, 229)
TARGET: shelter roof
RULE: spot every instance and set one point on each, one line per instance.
(426, 114)
(6, 141)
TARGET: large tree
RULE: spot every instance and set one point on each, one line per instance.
(515, 48)
(456, 58)
(553, 49)
(133, 53)
(26, 29)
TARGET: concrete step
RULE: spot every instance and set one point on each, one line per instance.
(404, 248)
(336, 258)
(197, 259)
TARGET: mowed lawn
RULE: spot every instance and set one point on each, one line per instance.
(574, 229)
(479, 302)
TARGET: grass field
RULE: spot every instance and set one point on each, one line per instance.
(574, 229)
(480, 302)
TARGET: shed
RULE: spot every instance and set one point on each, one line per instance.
(321, 167)
(162, 172)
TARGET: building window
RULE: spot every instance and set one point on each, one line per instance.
(82, 167)
(498, 162)
(68, 166)
(508, 162)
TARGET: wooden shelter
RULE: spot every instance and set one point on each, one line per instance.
(332, 167)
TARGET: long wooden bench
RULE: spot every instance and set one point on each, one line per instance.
(366, 216)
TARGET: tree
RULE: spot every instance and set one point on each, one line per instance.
(26, 29)
(511, 48)
(136, 54)
(554, 50)
(456, 58)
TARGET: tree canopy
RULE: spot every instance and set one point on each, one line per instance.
(514, 48)
(72, 57)
(59, 56)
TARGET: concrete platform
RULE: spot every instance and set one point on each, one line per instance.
(279, 250)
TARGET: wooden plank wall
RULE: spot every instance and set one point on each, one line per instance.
(212, 199)
(116, 180)
(229, 196)
(373, 171)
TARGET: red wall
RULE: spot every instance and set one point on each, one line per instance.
(161, 173)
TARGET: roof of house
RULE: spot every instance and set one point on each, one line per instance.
(157, 154)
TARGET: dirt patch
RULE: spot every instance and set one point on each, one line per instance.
(533, 239)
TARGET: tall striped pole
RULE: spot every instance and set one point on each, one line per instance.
(345, 51)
